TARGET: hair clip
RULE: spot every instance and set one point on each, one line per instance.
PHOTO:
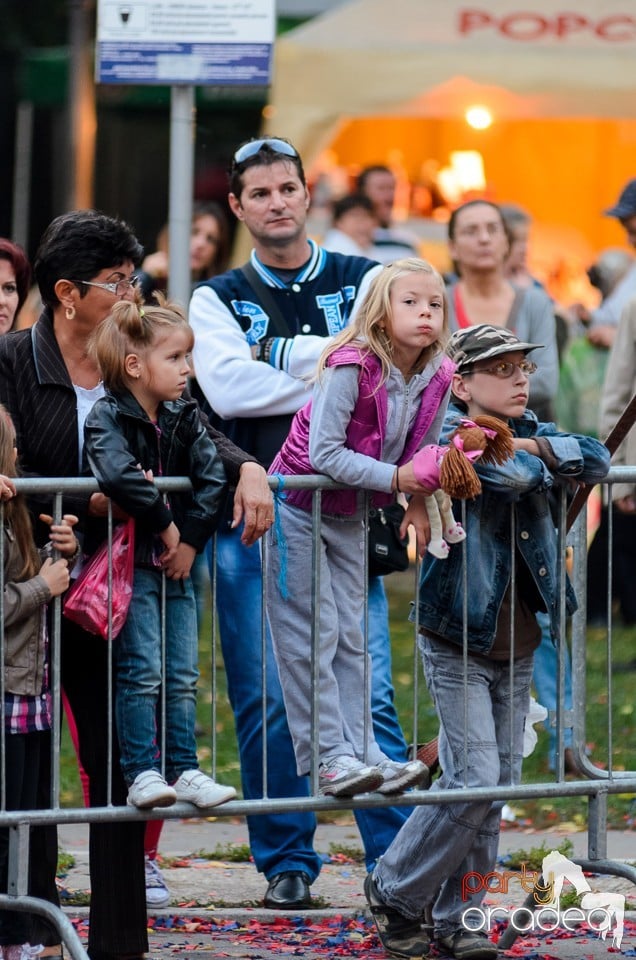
(142, 312)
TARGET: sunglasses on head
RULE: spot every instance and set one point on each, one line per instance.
(252, 147)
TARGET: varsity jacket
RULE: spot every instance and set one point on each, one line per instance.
(256, 399)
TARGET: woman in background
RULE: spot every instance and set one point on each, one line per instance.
(15, 278)
(479, 245)
(209, 250)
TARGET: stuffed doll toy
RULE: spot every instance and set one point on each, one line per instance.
(449, 472)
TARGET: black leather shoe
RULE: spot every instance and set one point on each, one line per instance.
(288, 891)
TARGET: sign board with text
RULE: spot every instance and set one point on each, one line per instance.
(193, 42)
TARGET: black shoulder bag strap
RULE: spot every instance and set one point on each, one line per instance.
(280, 327)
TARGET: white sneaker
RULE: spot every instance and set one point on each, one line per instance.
(344, 776)
(401, 776)
(149, 789)
(157, 893)
(196, 787)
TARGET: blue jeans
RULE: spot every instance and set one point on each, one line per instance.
(442, 843)
(544, 678)
(137, 653)
(284, 841)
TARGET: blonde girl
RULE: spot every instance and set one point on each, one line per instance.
(30, 579)
(372, 323)
(143, 428)
(381, 393)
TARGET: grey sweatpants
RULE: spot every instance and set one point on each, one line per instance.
(343, 695)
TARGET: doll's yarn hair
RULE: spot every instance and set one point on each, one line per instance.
(457, 475)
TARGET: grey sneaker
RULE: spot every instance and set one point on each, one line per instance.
(399, 935)
(157, 893)
(469, 945)
(401, 776)
(345, 776)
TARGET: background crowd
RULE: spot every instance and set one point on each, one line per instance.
(250, 387)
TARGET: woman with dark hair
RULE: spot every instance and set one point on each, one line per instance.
(84, 264)
(479, 245)
(209, 249)
(49, 382)
(15, 279)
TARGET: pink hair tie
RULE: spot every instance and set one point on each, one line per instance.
(487, 431)
(471, 455)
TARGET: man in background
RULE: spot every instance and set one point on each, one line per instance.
(390, 242)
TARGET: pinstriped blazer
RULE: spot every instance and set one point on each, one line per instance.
(36, 389)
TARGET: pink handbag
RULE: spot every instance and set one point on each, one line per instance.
(86, 602)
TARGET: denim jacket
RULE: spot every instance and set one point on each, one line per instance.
(521, 483)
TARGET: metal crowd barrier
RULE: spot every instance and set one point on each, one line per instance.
(602, 781)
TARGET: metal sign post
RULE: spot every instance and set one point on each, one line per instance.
(184, 45)
(181, 191)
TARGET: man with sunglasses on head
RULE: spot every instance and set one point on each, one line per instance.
(259, 331)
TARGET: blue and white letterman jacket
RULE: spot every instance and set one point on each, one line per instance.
(256, 400)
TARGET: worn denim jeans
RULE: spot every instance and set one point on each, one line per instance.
(284, 841)
(440, 844)
(137, 654)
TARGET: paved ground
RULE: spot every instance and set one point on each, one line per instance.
(216, 908)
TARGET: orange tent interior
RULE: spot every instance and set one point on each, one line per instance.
(378, 82)
(547, 166)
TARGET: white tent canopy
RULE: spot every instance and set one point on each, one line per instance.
(545, 58)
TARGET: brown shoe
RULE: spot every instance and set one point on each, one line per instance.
(428, 754)
(569, 763)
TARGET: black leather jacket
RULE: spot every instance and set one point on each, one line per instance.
(119, 438)
(36, 388)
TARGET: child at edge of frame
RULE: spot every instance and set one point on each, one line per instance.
(31, 578)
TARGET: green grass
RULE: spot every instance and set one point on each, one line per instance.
(226, 852)
(539, 813)
(533, 858)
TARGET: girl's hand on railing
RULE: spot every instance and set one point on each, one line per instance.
(7, 488)
(62, 536)
(56, 574)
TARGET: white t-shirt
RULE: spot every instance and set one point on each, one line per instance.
(85, 400)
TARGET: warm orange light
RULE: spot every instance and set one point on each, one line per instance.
(479, 118)
(465, 174)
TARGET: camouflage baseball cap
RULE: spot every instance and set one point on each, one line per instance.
(482, 342)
